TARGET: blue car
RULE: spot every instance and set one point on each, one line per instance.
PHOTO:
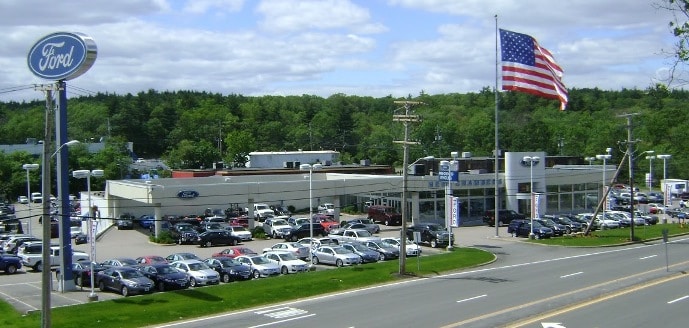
(146, 221)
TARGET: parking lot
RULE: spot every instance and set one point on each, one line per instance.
(23, 290)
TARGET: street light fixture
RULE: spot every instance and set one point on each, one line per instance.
(29, 167)
(310, 168)
(80, 174)
(531, 160)
(667, 194)
(605, 158)
(590, 159)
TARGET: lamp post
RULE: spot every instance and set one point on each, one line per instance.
(29, 167)
(310, 168)
(650, 170)
(531, 160)
(605, 158)
(45, 258)
(590, 159)
(665, 157)
(80, 174)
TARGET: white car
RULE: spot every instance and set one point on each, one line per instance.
(287, 261)
(327, 209)
(276, 227)
(74, 231)
(199, 273)
(23, 200)
(300, 251)
(260, 266)
(412, 248)
(239, 231)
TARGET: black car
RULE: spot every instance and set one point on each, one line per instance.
(81, 238)
(124, 280)
(558, 229)
(229, 269)
(164, 276)
(572, 226)
(431, 233)
(217, 237)
(303, 231)
(184, 233)
(81, 271)
(514, 225)
(125, 221)
(504, 216)
(540, 231)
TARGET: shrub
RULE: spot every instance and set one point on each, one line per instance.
(163, 238)
(258, 233)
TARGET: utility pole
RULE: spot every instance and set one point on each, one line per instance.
(405, 118)
(630, 155)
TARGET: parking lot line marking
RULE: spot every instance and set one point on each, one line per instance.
(281, 321)
(647, 257)
(471, 298)
(271, 310)
(572, 274)
(679, 299)
(8, 297)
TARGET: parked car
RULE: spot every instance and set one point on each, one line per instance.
(125, 221)
(234, 252)
(655, 208)
(164, 276)
(81, 238)
(299, 250)
(514, 225)
(124, 280)
(240, 221)
(558, 229)
(327, 209)
(412, 249)
(146, 221)
(275, 227)
(81, 271)
(655, 197)
(199, 273)
(151, 259)
(10, 263)
(304, 230)
(217, 237)
(229, 269)
(184, 233)
(335, 255)
(540, 231)
(504, 217)
(74, 231)
(371, 226)
(260, 266)
(386, 215)
(239, 231)
(181, 257)
(326, 221)
(120, 262)
(367, 255)
(23, 200)
(431, 233)
(572, 226)
(385, 251)
(287, 261)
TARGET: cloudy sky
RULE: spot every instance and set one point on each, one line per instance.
(322, 47)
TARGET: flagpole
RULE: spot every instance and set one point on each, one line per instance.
(497, 148)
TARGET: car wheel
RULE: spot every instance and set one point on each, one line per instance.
(339, 263)
(79, 281)
(381, 257)
(179, 241)
(275, 235)
(568, 230)
(125, 291)
(234, 242)
(11, 269)
(294, 238)
(500, 223)
(434, 243)
(161, 286)
(192, 282)
(284, 270)
(537, 236)
(209, 244)
(101, 286)
(225, 278)
(386, 222)
(38, 266)
(256, 274)
(314, 260)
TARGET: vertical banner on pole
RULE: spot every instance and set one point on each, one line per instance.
(536, 203)
(667, 198)
(455, 213)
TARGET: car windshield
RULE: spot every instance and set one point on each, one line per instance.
(341, 250)
(364, 233)
(435, 228)
(387, 245)
(188, 256)
(287, 256)
(166, 270)
(198, 266)
(279, 222)
(366, 221)
(128, 262)
(295, 245)
(235, 229)
(185, 228)
(359, 247)
(229, 262)
(244, 250)
(259, 260)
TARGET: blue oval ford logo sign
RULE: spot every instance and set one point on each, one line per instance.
(187, 194)
(62, 56)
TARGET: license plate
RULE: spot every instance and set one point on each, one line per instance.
(146, 289)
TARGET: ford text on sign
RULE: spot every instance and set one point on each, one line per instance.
(62, 56)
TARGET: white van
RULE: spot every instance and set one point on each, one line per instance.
(36, 197)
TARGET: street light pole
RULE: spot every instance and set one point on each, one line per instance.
(29, 167)
(310, 168)
(532, 160)
(80, 174)
(650, 171)
(605, 158)
(665, 157)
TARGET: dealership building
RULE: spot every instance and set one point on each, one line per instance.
(564, 185)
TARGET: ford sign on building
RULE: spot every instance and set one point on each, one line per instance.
(62, 56)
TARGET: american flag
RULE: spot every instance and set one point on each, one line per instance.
(528, 67)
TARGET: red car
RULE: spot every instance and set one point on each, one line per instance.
(327, 222)
(151, 259)
(234, 252)
(240, 221)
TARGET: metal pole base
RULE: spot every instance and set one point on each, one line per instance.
(93, 297)
(450, 248)
(532, 236)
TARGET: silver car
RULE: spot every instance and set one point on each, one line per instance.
(335, 255)
(199, 273)
(260, 266)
